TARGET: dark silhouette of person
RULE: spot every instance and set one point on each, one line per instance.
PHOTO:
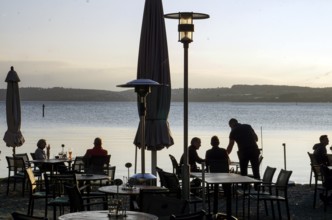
(248, 151)
(193, 157)
(97, 150)
(216, 158)
(320, 152)
(41, 155)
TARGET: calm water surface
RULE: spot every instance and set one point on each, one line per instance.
(76, 124)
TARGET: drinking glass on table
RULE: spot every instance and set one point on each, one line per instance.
(70, 152)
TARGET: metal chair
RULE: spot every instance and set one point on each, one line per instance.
(77, 201)
(279, 195)
(78, 165)
(171, 182)
(16, 169)
(27, 163)
(327, 183)
(97, 164)
(176, 166)
(316, 170)
(313, 162)
(55, 192)
(265, 188)
(34, 193)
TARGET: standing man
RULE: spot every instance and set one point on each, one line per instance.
(246, 138)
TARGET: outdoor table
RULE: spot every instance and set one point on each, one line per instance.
(52, 162)
(132, 192)
(90, 177)
(100, 215)
(224, 178)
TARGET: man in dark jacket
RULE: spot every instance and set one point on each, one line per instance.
(193, 157)
(246, 138)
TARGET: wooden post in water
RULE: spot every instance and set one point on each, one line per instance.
(284, 155)
(43, 110)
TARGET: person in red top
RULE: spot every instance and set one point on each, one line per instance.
(97, 150)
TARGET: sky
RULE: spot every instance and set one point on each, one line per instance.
(93, 44)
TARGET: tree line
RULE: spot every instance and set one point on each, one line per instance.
(236, 93)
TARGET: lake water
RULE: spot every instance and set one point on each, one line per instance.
(76, 124)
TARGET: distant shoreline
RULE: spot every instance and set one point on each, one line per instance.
(236, 93)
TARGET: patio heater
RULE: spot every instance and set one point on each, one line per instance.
(186, 29)
(142, 88)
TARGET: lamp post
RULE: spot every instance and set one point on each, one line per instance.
(142, 88)
(186, 29)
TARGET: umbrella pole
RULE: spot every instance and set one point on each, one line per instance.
(135, 159)
(143, 141)
(14, 150)
(153, 162)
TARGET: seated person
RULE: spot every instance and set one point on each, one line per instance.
(320, 155)
(40, 154)
(193, 157)
(97, 150)
(320, 152)
(96, 159)
(217, 158)
(217, 161)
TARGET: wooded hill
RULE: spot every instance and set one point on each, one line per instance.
(236, 93)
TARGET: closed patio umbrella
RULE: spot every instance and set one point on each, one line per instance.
(153, 64)
(13, 136)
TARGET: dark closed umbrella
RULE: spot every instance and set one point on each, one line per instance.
(153, 64)
(13, 136)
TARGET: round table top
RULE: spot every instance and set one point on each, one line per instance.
(91, 177)
(51, 161)
(100, 215)
(121, 190)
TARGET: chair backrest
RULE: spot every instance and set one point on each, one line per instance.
(191, 216)
(161, 177)
(20, 216)
(15, 164)
(97, 164)
(175, 165)
(283, 178)
(75, 197)
(31, 178)
(111, 174)
(268, 174)
(171, 182)
(218, 166)
(145, 195)
(54, 184)
(78, 164)
(25, 158)
(315, 167)
(313, 160)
